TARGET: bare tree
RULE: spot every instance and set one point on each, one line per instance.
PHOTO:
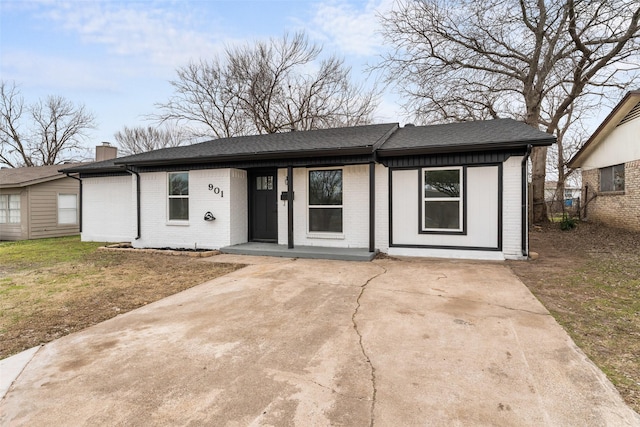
(138, 140)
(55, 129)
(267, 87)
(526, 59)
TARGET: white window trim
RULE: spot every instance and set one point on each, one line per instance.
(8, 210)
(459, 199)
(323, 234)
(58, 209)
(168, 197)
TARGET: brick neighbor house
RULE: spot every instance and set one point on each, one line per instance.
(610, 166)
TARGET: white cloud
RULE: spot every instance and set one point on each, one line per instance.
(163, 36)
(352, 28)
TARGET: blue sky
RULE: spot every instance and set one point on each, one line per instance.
(117, 57)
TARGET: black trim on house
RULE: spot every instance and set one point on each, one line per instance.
(456, 159)
(255, 164)
(499, 236)
(290, 197)
(138, 211)
(468, 248)
(463, 198)
(372, 207)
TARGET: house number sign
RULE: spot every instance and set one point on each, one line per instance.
(216, 190)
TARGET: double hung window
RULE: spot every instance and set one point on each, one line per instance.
(9, 209)
(325, 201)
(179, 196)
(67, 209)
(442, 201)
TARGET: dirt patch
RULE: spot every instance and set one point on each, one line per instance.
(44, 303)
(589, 279)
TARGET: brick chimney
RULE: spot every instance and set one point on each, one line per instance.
(106, 151)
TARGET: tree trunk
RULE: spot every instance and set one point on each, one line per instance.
(538, 162)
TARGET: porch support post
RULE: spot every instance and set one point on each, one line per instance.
(290, 207)
(372, 206)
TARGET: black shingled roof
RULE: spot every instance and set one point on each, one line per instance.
(386, 140)
(464, 136)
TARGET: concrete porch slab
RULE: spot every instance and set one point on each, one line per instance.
(310, 252)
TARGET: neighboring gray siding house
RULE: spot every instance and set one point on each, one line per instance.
(454, 190)
(610, 165)
(38, 202)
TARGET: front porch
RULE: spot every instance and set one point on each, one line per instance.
(312, 252)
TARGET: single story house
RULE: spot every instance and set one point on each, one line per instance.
(610, 165)
(38, 202)
(451, 190)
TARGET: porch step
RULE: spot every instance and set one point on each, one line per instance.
(312, 252)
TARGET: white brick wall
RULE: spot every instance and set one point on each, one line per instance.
(158, 231)
(108, 209)
(512, 208)
(355, 212)
(382, 208)
(239, 207)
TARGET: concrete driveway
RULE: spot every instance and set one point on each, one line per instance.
(315, 343)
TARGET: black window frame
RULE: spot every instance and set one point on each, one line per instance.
(313, 207)
(179, 196)
(461, 199)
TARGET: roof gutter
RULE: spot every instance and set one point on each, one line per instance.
(137, 200)
(525, 198)
(80, 182)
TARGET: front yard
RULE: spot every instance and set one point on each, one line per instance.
(589, 279)
(52, 287)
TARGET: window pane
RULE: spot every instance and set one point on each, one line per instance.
(442, 215)
(325, 187)
(179, 184)
(179, 208)
(66, 201)
(264, 183)
(67, 209)
(618, 178)
(442, 183)
(4, 201)
(3, 216)
(325, 219)
(612, 178)
(66, 216)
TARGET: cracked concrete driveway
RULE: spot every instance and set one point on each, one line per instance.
(314, 343)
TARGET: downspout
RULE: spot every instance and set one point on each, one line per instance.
(80, 182)
(525, 214)
(137, 199)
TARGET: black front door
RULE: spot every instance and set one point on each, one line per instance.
(263, 206)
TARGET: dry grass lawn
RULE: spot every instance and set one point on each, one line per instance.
(52, 287)
(589, 279)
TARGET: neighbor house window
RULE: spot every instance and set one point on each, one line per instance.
(325, 201)
(179, 196)
(9, 209)
(612, 178)
(67, 209)
(442, 199)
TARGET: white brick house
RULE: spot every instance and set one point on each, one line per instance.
(455, 190)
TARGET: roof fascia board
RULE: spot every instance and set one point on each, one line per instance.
(606, 127)
(255, 156)
(440, 149)
(33, 181)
